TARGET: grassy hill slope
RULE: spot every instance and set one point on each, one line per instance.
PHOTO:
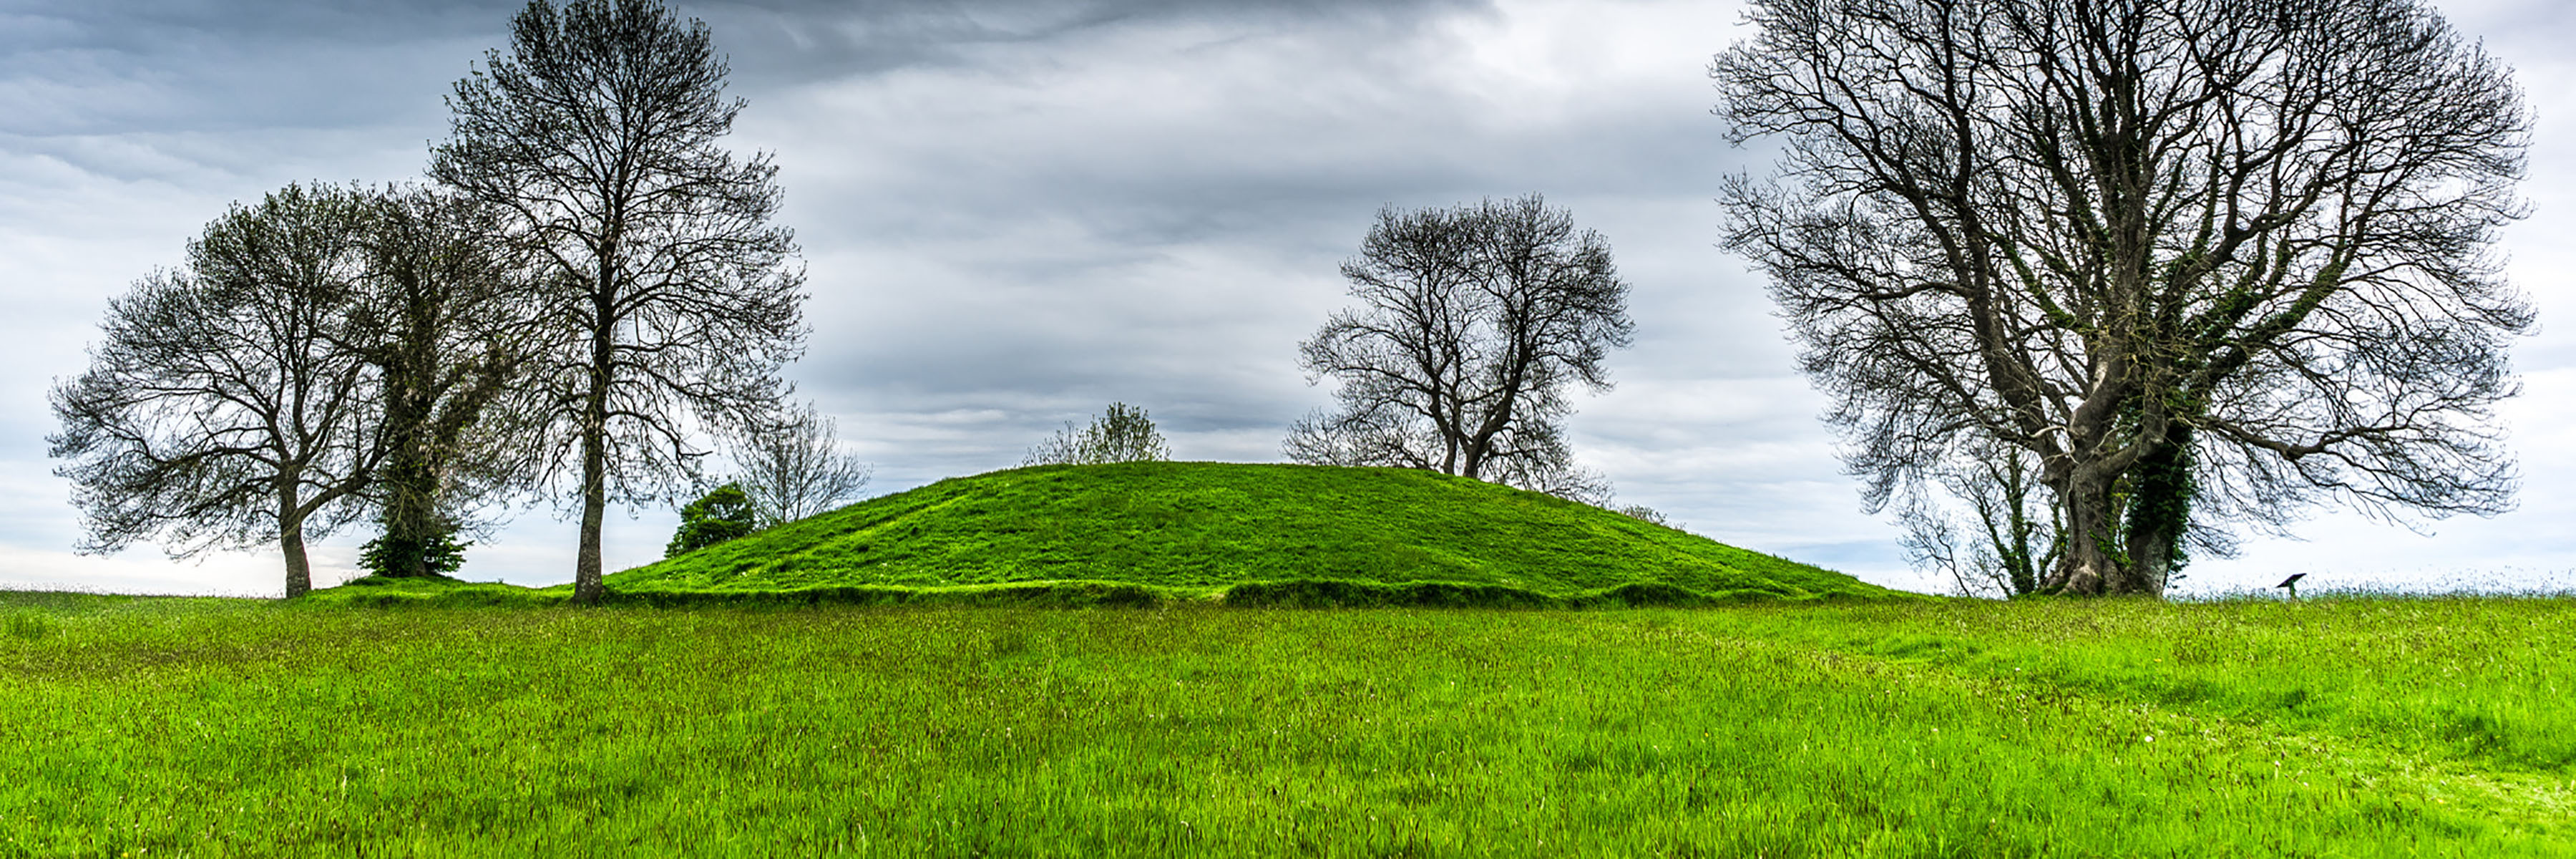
(1256, 533)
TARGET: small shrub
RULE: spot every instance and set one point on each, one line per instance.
(1643, 513)
(1126, 434)
(440, 556)
(723, 514)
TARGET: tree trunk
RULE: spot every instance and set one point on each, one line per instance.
(410, 485)
(587, 583)
(411, 515)
(2151, 559)
(2086, 568)
(2159, 510)
(2094, 563)
(290, 541)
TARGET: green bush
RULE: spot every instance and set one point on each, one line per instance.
(723, 514)
(1125, 434)
(385, 555)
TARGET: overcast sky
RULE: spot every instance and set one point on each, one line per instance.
(1014, 213)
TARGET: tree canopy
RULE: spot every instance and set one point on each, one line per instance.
(450, 333)
(1472, 323)
(224, 407)
(2207, 262)
(597, 136)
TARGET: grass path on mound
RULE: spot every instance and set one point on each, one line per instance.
(213, 728)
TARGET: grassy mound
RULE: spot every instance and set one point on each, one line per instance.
(1247, 534)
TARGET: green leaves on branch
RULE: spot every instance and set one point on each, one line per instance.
(437, 555)
(723, 514)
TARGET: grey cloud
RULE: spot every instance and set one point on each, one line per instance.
(802, 41)
(1014, 212)
(1060, 245)
(92, 68)
(101, 68)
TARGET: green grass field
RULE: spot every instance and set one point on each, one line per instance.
(1114, 660)
(2355, 727)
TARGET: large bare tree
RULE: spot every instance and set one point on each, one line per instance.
(1472, 323)
(223, 407)
(2208, 261)
(597, 135)
(445, 318)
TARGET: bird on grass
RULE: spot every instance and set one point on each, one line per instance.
(2293, 584)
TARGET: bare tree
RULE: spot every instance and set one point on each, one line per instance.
(793, 467)
(1472, 322)
(596, 136)
(223, 407)
(2205, 261)
(1379, 437)
(1125, 434)
(1984, 518)
(444, 319)
(1644, 513)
